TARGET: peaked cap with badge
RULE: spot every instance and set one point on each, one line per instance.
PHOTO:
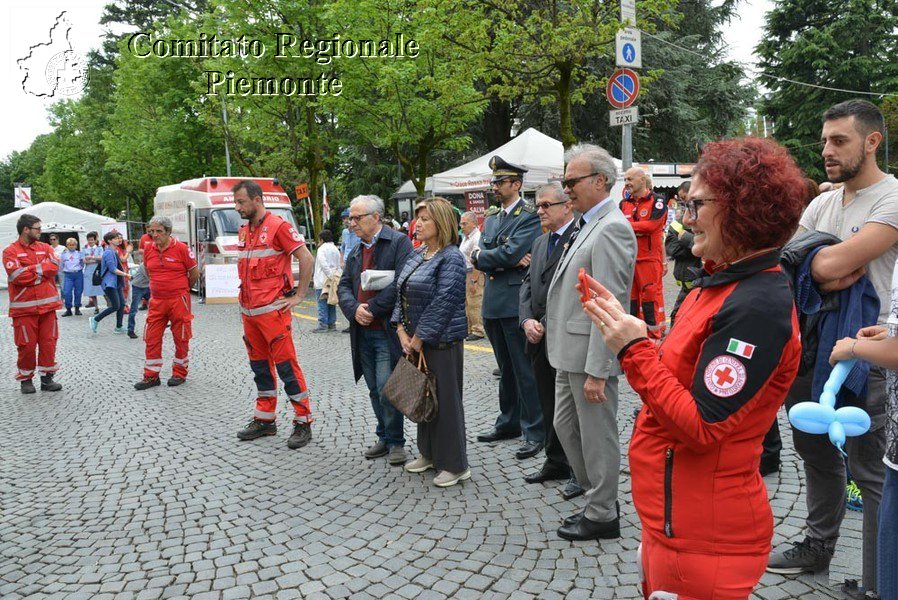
(502, 170)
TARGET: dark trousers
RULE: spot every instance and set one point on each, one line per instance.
(545, 385)
(772, 445)
(825, 473)
(443, 440)
(518, 400)
(116, 300)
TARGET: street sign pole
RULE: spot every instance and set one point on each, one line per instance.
(626, 146)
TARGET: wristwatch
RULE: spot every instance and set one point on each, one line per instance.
(290, 293)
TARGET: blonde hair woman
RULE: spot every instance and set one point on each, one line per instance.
(430, 319)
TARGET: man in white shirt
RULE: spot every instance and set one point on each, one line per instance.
(475, 279)
(864, 214)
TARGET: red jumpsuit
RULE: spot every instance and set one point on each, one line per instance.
(33, 301)
(169, 304)
(710, 393)
(647, 216)
(266, 273)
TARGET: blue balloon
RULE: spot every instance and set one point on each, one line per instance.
(822, 417)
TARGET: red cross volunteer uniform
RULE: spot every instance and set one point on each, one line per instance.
(648, 216)
(266, 275)
(168, 270)
(710, 393)
(33, 300)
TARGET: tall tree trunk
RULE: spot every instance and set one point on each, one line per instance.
(563, 89)
(498, 117)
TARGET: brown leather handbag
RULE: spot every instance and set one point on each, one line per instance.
(413, 390)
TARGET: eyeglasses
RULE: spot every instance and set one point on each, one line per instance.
(358, 218)
(570, 183)
(692, 206)
(546, 205)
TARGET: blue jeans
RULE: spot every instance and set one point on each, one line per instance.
(887, 543)
(327, 313)
(72, 288)
(116, 299)
(374, 351)
(137, 294)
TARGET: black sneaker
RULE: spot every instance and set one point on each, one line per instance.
(132, 335)
(256, 429)
(78, 311)
(175, 381)
(302, 435)
(27, 387)
(48, 385)
(67, 313)
(806, 556)
(146, 383)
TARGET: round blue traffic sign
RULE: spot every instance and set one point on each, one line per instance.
(622, 88)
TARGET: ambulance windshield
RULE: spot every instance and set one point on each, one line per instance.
(228, 222)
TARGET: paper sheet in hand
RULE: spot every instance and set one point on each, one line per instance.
(374, 281)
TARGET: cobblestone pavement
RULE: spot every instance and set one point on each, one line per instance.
(106, 492)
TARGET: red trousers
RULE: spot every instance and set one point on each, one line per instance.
(698, 576)
(269, 343)
(647, 296)
(35, 333)
(162, 312)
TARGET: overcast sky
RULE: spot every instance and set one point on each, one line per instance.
(24, 24)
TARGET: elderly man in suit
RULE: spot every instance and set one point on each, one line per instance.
(586, 394)
(556, 215)
(504, 255)
(375, 345)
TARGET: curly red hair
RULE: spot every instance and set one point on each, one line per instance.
(760, 189)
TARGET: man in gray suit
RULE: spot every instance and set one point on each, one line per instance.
(556, 215)
(586, 392)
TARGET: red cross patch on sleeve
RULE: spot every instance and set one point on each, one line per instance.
(725, 376)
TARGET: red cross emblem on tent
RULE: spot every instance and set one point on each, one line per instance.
(725, 376)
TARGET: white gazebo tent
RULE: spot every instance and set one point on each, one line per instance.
(55, 218)
(541, 155)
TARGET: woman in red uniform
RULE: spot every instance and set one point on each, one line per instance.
(713, 388)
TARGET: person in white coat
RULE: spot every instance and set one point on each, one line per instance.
(327, 274)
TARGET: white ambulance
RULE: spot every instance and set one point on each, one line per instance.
(203, 216)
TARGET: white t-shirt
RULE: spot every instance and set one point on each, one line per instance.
(875, 204)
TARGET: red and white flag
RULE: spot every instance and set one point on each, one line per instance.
(325, 207)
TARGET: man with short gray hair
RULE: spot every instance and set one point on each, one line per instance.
(172, 270)
(374, 342)
(603, 244)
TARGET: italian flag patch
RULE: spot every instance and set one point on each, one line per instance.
(740, 348)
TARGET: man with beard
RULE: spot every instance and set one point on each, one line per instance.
(864, 214)
(265, 244)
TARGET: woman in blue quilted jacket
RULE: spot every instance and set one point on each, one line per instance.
(430, 319)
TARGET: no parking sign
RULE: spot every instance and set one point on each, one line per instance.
(622, 88)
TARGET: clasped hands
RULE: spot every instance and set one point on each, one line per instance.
(617, 326)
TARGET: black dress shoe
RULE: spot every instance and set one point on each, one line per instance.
(528, 450)
(587, 529)
(549, 472)
(571, 520)
(473, 338)
(572, 489)
(497, 373)
(495, 435)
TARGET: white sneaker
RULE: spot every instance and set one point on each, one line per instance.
(447, 479)
(419, 465)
